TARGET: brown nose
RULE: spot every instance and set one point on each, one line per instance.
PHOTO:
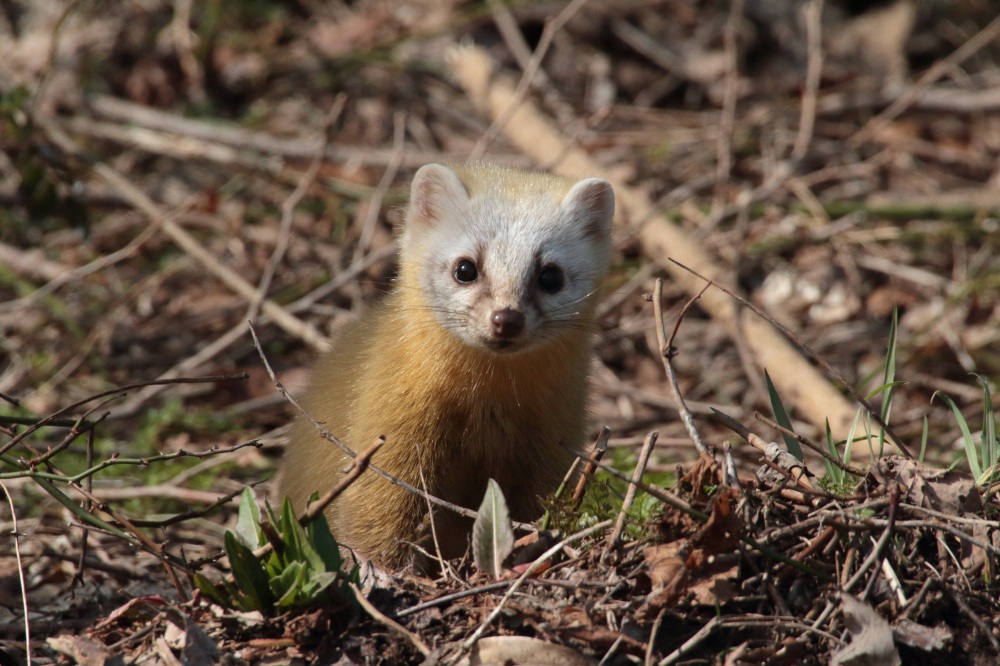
(508, 323)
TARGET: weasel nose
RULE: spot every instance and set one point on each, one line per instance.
(508, 323)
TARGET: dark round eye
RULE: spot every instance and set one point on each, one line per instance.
(465, 272)
(551, 279)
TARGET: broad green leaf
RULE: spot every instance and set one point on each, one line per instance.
(249, 574)
(248, 521)
(325, 544)
(292, 533)
(492, 535)
(211, 591)
(289, 583)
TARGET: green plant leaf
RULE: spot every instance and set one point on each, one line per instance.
(988, 438)
(288, 585)
(292, 533)
(248, 521)
(970, 446)
(834, 473)
(298, 546)
(325, 544)
(492, 535)
(888, 379)
(211, 591)
(781, 416)
(317, 584)
(923, 442)
(249, 574)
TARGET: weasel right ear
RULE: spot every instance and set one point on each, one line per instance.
(592, 201)
(435, 192)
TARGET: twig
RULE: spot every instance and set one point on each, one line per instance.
(984, 628)
(178, 234)
(640, 469)
(530, 570)
(883, 541)
(552, 27)
(600, 448)
(56, 415)
(667, 352)
(937, 70)
(291, 148)
(315, 509)
(375, 201)
(20, 571)
(812, 355)
(184, 48)
(648, 661)
(658, 493)
(330, 437)
(812, 445)
(723, 147)
(389, 623)
(288, 209)
(341, 278)
(691, 643)
(812, 12)
(75, 274)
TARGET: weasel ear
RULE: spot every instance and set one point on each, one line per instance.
(436, 190)
(592, 202)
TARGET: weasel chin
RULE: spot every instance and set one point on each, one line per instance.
(504, 346)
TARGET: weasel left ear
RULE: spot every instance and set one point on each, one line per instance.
(593, 201)
(434, 191)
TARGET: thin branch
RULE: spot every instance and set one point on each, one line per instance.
(667, 352)
(640, 469)
(812, 355)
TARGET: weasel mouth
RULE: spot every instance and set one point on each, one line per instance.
(504, 345)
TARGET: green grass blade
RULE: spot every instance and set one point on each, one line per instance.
(970, 445)
(781, 416)
(834, 473)
(988, 438)
(923, 442)
(888, 379)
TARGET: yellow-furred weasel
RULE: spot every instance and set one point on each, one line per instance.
(475, 366)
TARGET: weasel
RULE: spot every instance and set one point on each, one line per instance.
(474, 367)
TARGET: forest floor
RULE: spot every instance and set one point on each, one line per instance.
(173, 171)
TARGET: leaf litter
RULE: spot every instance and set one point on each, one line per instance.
(890, 203)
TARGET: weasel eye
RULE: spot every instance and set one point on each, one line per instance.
(465, 272)
(551, 279)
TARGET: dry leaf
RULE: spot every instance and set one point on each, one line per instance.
(871, 643)
(701, 566)
(521, 650)
(492, 534)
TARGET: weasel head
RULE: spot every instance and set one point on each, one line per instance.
(506, 260)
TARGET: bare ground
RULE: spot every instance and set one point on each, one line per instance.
(173, 170)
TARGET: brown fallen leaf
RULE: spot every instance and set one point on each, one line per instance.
(521, 650)
(702, 566)
(84, 650)
(871, 637)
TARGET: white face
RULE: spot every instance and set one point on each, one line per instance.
(504, 272)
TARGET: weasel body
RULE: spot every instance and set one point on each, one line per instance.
(475, 366)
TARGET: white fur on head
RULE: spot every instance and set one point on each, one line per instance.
(592, 202)
(436, 194)
(514, 226)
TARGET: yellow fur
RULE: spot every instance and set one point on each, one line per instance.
(453, 412)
